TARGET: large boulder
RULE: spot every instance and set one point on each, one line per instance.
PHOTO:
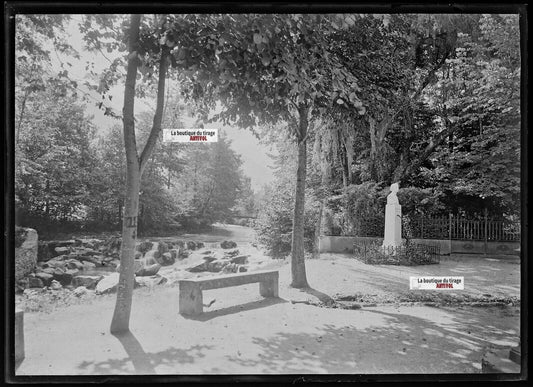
(88, 281)
(191, 245)
(26, 253)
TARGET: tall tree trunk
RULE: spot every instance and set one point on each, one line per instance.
(121, 315)
(299, 279)
(135, 165)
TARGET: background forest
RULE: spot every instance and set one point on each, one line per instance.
(437, 109)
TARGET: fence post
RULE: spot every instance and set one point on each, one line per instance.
(486, 230)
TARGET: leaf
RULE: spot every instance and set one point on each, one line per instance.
(257, 38)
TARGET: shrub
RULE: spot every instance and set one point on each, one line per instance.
(406, 255)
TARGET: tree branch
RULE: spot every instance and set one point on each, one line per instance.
(158, 116)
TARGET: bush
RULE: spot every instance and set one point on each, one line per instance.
(406, 255)
(274, 223)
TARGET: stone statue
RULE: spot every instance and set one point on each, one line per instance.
(393, 220)
(392, 198)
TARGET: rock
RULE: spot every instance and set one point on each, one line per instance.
(174, 253)
(191, 245)
(26, 254)
(87, 281)
(80, 291)
(230, 268)
(35, 282)
(217, 265)
(179, 243)
(43, 252)
(231, 253)
(107, 284)
(74, 264)
(151, 257)
(64, 277)
(148, 270)
(207, 252)
(183, 254)
(242, 269)
(49, 270)
(144, 246)
(200, 245)
(84, 252)
(198, 268)
(209, 259)
(46, 278)
(62, 250)
(162, 247)
(138, 255)
(167, 259)
(115, 262)
(228, 245)
(55, 285)
(87, 265)
(55, 264)
(240, 260)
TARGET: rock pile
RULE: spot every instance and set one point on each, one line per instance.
(231, 262)
(72, 264)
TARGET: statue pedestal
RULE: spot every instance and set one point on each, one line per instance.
(393, 227)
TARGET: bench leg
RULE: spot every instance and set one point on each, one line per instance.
(269, 288)
(190, 300)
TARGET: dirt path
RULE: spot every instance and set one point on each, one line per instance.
(245, 334)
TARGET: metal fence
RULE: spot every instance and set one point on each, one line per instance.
(459, 228)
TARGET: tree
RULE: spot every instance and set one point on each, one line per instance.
(272, 69)
(135, 165)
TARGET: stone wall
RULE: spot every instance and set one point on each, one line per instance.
(344, 244)
(26, 255)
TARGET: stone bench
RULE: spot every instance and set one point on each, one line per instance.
(191, 299)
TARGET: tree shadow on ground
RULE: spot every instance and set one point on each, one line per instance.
(143, 363)
(236, 309)
(387, 343)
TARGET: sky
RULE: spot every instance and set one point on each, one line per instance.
(253, 153)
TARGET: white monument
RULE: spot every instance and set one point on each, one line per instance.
(393, 220)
